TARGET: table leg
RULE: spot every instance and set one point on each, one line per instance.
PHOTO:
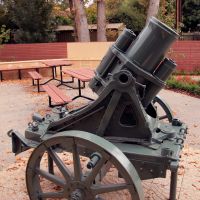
(53, 72)
(79, 88)
(79, 93)
(61, 75)
(19, 74)
(38, 85)
(1, 75)
(50, 105)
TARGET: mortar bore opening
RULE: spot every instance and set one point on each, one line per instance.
(123, 78)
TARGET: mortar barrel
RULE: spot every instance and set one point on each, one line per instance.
(123, 42)
(110, 60)
(151, 45)
(162, 72)
(165, 69)
(125, 39)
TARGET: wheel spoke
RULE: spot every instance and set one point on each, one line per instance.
(51, 195)
(163, 117)
(63, 169)
(109, 188)
(55, 179)
(92, 175)
(77, 164)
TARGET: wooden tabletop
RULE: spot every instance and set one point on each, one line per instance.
(10, 67)
(52, 63)
(83, 74)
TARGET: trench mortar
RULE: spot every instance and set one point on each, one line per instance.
(128, 127)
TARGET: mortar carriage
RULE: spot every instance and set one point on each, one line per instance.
(128, 132)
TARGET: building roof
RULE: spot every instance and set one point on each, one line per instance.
(118, 26)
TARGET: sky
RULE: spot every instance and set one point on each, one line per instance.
(89, 3)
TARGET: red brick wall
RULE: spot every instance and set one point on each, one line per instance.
(186, 54)
(20, 52)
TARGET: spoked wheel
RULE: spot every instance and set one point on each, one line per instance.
(165, 111)
(85, 167)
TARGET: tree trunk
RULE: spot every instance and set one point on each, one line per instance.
(153, 9)
(81, 22)
(101, 21)
(72, 10)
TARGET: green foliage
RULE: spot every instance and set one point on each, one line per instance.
(33, 18)
(4, 34)
(191, 15)
(91, 13)
(62, 13)
(131, 12)
(61, 20)
(184, 84)
(167, 12)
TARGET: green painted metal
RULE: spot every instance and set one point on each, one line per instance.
(126, 114)
(78, 182)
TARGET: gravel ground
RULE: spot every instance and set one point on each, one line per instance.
(18, 102)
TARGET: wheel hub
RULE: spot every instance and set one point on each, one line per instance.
(78, 191)
(77, 194)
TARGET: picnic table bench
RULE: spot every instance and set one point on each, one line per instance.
(82, 75)
(35, 76)
(56, 95)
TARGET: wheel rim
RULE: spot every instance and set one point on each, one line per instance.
(73, 180)
(167, 113)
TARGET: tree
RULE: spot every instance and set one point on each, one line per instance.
(131, 12)
(62, 13)
(4, 34)
(91, 12)
(81, 21)
(152, 9)
(101, 21)
(191, 15)
(167, 12)
(33, 19)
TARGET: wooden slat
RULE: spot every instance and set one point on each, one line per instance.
(55, 98)
(56, 94)
(35, 75)
(87, 72)
(60, 94)
(79, 75)
(51, 63)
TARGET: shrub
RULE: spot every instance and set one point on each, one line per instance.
(184, 84)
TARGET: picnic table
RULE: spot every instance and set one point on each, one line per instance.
(53, 64)
(19, 67)
(82, 75)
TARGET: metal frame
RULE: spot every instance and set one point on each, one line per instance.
(72, 185)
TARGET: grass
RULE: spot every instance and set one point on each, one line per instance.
(184, 84)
